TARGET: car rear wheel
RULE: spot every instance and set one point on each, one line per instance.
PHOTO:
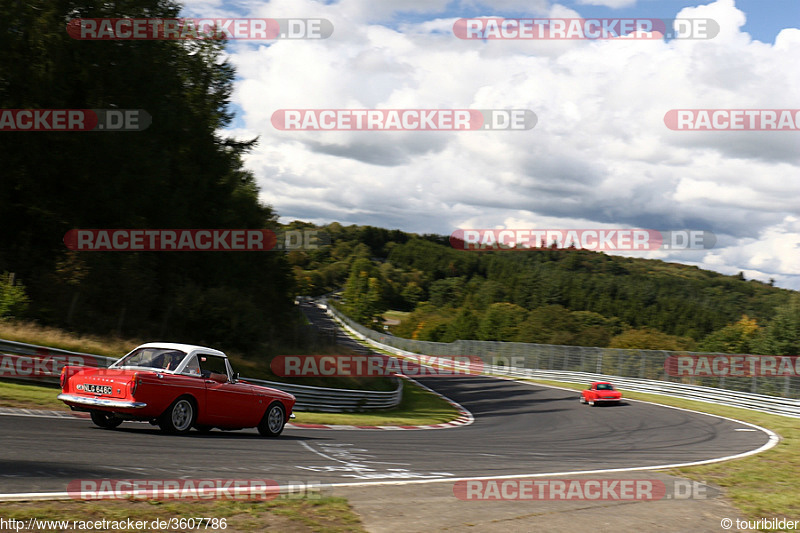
(105, 420)
(274, 420)
(179, 417)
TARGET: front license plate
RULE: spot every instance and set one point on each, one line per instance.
(95, 389)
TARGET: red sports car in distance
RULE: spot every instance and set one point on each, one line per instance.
(178, 387)
(601, 392)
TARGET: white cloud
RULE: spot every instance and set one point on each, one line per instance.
(529, 7)
(614, 4)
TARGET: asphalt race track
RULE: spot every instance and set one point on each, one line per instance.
(518, 429)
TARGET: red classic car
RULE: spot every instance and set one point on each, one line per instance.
(177, 386)
(601, 392)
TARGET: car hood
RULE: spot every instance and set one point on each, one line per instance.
(271, 391)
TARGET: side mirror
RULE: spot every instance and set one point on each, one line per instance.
(235, 377)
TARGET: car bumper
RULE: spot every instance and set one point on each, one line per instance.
(100, 402)
(608, 399)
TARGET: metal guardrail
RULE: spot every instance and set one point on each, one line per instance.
(717, 395)
(30, 362)
(336, 400)
(757, 402)
(43, 364)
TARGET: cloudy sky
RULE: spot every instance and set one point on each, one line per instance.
(600, 155)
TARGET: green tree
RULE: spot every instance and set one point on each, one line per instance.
(740, 337)
(447, 291)
(649, 339)
(13, 299)
(541, 324)
(463, 326)
(363, 292)
(412, 294)
(501, 322)
(782, 334)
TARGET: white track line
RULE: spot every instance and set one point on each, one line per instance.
(772, 442)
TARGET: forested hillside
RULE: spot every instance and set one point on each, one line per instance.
(546, 296)
(178, 173)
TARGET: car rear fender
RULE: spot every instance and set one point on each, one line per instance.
(160, 393)
(70, 370)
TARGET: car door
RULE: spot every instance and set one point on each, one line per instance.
(228, 404)
(592, 393)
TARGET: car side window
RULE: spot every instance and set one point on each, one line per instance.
(212, 364)
(192, 367)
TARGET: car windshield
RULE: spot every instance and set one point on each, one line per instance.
(605, 386)
(160, 358)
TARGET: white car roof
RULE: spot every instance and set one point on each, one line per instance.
(188, 348)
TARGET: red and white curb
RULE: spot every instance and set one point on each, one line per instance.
(41, 413)
(464, 417)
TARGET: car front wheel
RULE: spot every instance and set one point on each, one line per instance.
(274, 420)
(179, 417)
(105, 420)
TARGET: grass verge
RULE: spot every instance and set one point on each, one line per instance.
(762, 485)
(397, 315)
(32, 333)
(418, 407)
(327, 514)
(30, 396)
